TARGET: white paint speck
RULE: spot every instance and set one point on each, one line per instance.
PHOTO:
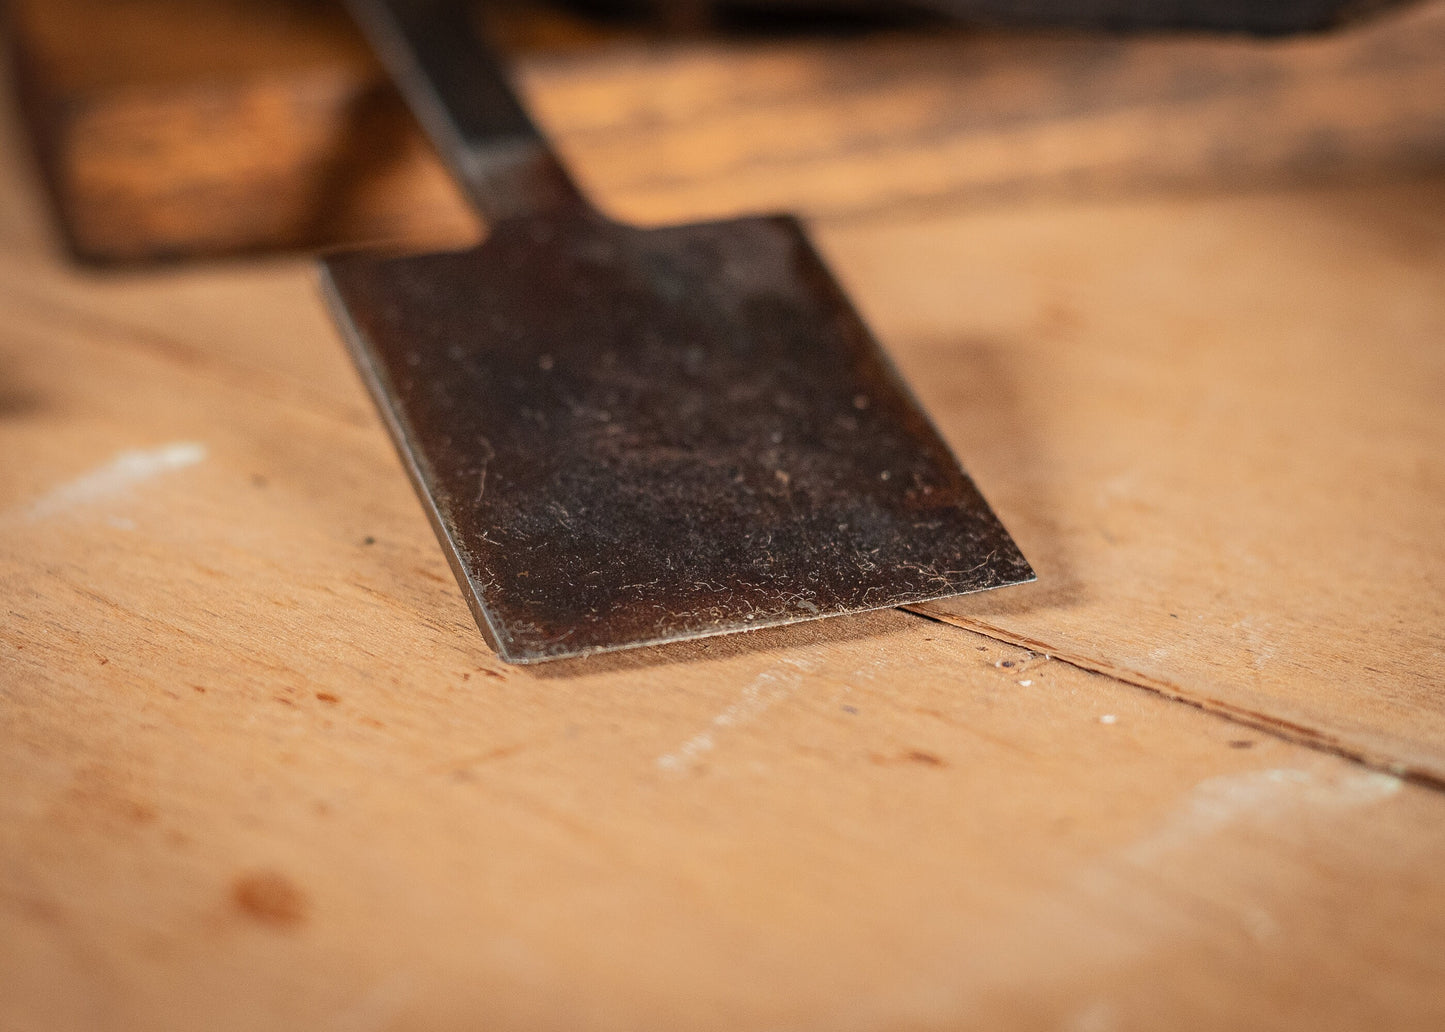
(121, 473)
(1216, 803)
(1108, 718)
(758, 695)
(1219, 827)
(1026, 684)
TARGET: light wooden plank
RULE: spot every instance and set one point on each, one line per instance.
(1219, 407)
(1216, 428)
(262, 773)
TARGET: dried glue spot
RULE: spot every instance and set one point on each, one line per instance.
(270, 898)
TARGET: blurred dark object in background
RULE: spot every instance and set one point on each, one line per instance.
(1262, 17)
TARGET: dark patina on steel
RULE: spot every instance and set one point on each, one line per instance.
(625, 436)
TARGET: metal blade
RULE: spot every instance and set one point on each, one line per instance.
(627, 437)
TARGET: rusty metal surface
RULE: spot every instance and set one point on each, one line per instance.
(626, 436)
(635, 436)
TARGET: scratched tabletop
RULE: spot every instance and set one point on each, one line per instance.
(260, 771)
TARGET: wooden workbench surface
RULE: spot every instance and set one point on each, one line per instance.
(260, 771)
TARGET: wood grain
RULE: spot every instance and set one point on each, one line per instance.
(1216, 429)
(903, 123)
(261, 772)
(1283, 509)
(184, 127)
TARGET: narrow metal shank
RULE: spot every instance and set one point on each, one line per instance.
(462, 98)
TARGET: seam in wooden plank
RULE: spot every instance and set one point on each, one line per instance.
(1299, 734)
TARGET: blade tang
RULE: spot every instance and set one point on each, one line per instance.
(459, 93)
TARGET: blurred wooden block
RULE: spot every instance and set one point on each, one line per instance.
(176, 128)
